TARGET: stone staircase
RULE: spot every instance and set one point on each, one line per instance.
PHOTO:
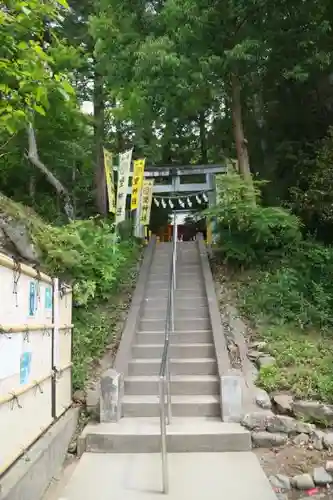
(195, 385)
(126, 459)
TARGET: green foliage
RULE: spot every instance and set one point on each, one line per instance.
(313, 198)
(248, 232)
(287, 292)
(26, 65)
(299, 290)
(303, 363)
(96, 321)
(84, 253)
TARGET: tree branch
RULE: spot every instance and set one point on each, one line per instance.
(33, 157)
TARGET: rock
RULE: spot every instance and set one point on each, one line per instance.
(93, 402)
(266, 361)
(257, 345)
(263, 439)
(315, 495)
(301, 439)
(329, 466)
(255, 355)
(281, 496)
(263, 399)
(282, 423)
(72, 447)
(283, 403)
(257, 420)
(79, 397)
(304, 427)
(321, 477)
(328, 440)
(302, 482)
(17, 234)
(280, 482)
(317, 439)
(92, 398)
(318, 444)
(313, 410)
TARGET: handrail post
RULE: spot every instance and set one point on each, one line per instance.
(174, 250)
(165, 475)
(164, 378)
(168, 388)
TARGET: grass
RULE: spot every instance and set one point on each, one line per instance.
(304, 356)
(97, 326)
(304, 361)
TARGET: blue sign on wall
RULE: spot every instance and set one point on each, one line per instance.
(32, 298)
(25, 367)
(48, 298)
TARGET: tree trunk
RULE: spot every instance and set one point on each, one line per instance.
(33, 156)
(203, 138)
(99, 119)
(32, 189)
(74, 188)
(240, 140)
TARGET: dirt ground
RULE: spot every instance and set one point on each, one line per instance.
(291, 461)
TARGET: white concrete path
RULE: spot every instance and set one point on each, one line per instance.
(193, 476)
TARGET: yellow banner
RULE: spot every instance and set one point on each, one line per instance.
(137, 180)
(147, 197)
(108, 166)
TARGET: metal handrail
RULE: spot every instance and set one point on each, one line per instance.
(164, 377)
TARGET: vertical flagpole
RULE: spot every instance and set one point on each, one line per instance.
(137, 216)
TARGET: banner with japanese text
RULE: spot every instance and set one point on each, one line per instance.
(123, 175)
(146, 200)
(138, 172)
(108, 167)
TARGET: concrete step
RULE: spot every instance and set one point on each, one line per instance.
(180, 384)
(203, 336)
(142, 435)
(176, 350)
(187, 290)
(189, 293)
(180, 366)
(183, 301)
(150, 312)
(188, 267)
(156, 293)
(182, 406)
(182, 283)
(180, 294)
(180, 324)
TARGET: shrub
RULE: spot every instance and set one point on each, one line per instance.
(299, 292)
(292, 282)
(85, 254)
(248, 232)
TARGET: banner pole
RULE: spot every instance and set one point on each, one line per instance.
(137, 216)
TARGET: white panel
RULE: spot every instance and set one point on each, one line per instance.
(28, 360)
(15, 307)
(20, 427)
(63, 392)
(37, 347)
(65, 309)
(65, 341)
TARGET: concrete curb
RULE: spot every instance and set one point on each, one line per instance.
(112, 380)
(31, 475)
(124, 351)
(232, 382)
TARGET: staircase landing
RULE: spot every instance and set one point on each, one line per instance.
(193, 476)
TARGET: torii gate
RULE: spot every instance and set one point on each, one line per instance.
(174, 174)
